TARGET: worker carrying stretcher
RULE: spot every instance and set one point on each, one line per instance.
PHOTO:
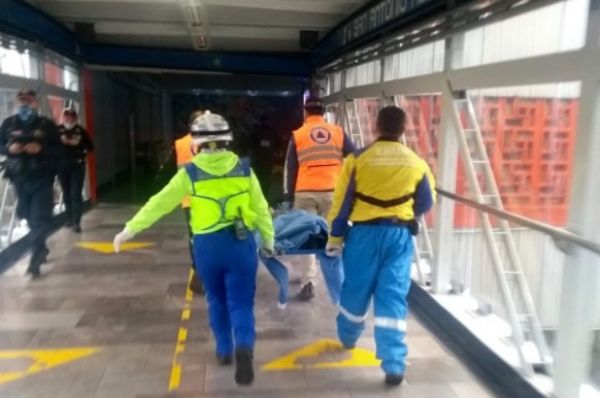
(226, 204)
(381, 191)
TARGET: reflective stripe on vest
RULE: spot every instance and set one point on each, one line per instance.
(319, 147)
(196, 174)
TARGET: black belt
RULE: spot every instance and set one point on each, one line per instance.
(383, 203)
(384, 221)
(412, 225)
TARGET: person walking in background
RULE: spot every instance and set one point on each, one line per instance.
(313, 165)
(71, 168)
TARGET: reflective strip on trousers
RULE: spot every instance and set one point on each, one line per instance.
(351, 317)
(391, 323)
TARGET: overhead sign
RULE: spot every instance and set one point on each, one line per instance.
(107, 247)
(38, 361)
(376, 16)
(324, 354)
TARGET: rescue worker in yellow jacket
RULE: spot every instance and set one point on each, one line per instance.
(382, 190)
(185, 149)
(226, 204)
(313, 165)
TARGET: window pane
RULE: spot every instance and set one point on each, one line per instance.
(529, 133)
(555, 28)
(53, 74)
(15, 63)
(422, 60)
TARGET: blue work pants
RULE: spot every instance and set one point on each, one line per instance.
(377, 261)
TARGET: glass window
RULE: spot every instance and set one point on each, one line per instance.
(15, 63)
(366, 73)
(422, 60)
(71, 79)
(53, 74)
(529, 133)
(555, 28)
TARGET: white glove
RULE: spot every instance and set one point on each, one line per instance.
(267, 250)
(333, 249)
(121, 238)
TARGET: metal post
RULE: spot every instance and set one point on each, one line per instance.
(446, 177)
(582, 268)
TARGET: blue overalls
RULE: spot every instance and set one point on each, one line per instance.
(227, 266)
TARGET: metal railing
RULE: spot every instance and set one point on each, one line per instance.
(560, 236)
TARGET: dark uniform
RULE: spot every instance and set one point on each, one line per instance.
(71, 171)
(32, 177)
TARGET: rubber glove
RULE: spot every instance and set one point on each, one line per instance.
(333, 249)
(121, 238)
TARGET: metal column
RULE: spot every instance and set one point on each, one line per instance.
(446, 177)
(581, 274)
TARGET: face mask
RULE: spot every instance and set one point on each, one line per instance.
(26, 114)
(69, 126)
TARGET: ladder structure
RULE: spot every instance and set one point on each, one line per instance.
(423, 249)
(519, 304)
(352, 124)
(8, 211)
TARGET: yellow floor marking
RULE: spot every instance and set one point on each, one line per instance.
(186, 313)
(107, 247)
(42, 360)
(357, 357)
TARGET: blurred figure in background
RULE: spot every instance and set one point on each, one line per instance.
(32, 147)
(71, 168)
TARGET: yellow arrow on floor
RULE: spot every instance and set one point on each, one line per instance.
(314, 356)
(42, 360)
(107, 247)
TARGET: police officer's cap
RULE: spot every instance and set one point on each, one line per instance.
(314, 104)
(26, 94)
(70, 112)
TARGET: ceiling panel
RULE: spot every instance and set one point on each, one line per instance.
(230, 25)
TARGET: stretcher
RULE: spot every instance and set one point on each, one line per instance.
(331, 268)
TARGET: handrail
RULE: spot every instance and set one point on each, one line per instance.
(558, 234)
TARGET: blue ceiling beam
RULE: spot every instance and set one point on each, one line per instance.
(113, 55)
(21, 19)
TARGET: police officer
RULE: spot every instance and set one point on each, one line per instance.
(185, 149)
(32, 146)
(313, 164)
(381, 191)
(226, 204)
(71, 170)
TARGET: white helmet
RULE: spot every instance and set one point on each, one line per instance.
(210, 127)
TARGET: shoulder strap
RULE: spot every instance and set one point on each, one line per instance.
(192, 171)
(384, 203)
(245, 163)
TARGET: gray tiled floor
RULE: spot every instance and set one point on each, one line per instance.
(129, 305)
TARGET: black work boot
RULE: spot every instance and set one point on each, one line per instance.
(196, 285)
(38, 257)
(307, 292)
(244, 370)
(394, 380)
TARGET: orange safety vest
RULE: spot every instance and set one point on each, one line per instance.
(184, 153)
(319, 147)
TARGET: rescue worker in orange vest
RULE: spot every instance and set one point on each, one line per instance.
(185, 150)
(313, 165)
